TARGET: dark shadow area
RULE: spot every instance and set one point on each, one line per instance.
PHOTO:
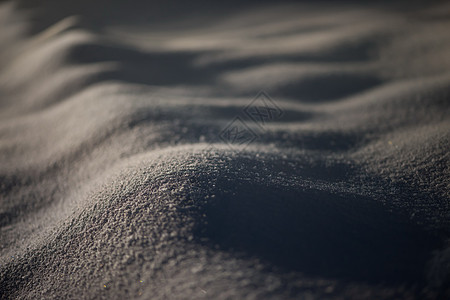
(227, 113)
(153, 68)
(317, 141)
(356, 51)
(169, 68)
(327, 87)
(318, 233)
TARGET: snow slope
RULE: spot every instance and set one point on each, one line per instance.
(118, 179)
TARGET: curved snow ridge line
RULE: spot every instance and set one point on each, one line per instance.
(65, 43)
(135, 199)
(170, 159)
(110, 150)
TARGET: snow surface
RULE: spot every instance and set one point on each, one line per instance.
(116, 181)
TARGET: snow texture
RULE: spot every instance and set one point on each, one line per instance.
(118, 178)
